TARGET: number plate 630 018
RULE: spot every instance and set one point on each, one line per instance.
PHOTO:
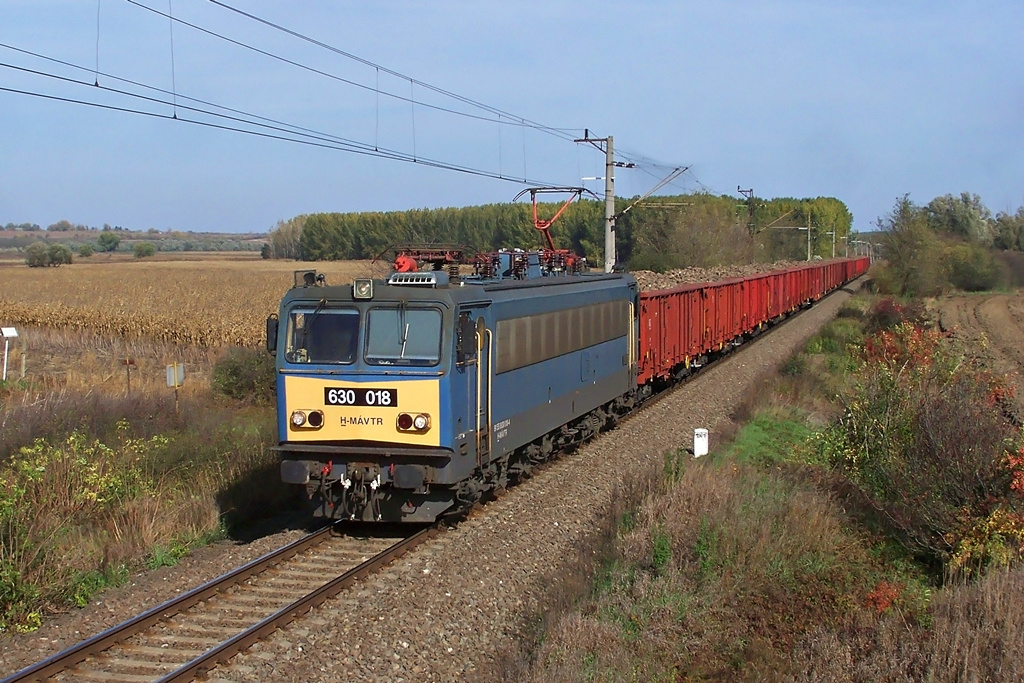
(361, 396)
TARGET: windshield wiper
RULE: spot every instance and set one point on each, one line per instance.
(314, 315)
(403, 328)
(307, 327)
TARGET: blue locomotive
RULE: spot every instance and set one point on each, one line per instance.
(407, 398)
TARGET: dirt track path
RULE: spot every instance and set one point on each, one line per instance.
(993, 324)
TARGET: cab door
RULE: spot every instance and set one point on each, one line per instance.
(475, 347)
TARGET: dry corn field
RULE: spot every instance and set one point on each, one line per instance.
(196, 303)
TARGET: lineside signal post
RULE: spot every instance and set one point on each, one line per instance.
(175, 378)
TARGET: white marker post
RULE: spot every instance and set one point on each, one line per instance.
(9, 333)
(700, 442)
(175, 378)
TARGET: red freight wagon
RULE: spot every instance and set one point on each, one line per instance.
(680, 326)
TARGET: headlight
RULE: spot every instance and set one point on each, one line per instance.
(311, 419)
(362, 289)
(419, 422)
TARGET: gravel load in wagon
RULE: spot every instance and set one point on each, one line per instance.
(650, 281)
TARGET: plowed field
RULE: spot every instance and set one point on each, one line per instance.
(992, 325)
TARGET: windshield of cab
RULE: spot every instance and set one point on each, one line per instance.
(403, 336)
(322, 335)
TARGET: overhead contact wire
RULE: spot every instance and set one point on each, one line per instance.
(326, 74)
(465, 100)
(289, 135)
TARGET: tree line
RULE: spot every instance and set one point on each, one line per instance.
(42, 254)
(952, 242)
(660, 233)
(62, 225)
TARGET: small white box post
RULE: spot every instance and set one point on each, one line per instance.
(175, 378)
(700, 442)
(9, 333)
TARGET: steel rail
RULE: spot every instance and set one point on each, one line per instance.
(241, 641)
(102, 641)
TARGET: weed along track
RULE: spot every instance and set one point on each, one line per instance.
(191, 634)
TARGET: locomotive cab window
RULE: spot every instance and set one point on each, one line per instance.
(403, 336)
(322, 335)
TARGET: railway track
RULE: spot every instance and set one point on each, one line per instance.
(189, 635)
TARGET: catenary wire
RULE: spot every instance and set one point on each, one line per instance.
(168, 92)
(511, 119)
(279, 126)
(565, 133)
(502, 117)
(281, 134)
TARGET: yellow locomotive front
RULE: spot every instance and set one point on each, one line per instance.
(359, 398)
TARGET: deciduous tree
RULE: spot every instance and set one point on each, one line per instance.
(108, 241)
(36, 256)
(58, 254)
(144, 249)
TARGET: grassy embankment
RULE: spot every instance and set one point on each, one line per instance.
(96, 483)
(853, 530)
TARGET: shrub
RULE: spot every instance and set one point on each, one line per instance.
(86, 250)
(247, 375)
(58, 254)
(794, 366)
(108, 241)
(36, 255)
(144, 249)
(888, 312)
(853, 309)
(971, 268)
(925, 437)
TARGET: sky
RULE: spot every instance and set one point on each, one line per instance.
(861, 100)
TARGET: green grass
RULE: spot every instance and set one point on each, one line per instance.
(87, 584)
(769, 438)
(662, 551)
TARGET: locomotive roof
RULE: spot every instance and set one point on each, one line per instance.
(461, 289)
